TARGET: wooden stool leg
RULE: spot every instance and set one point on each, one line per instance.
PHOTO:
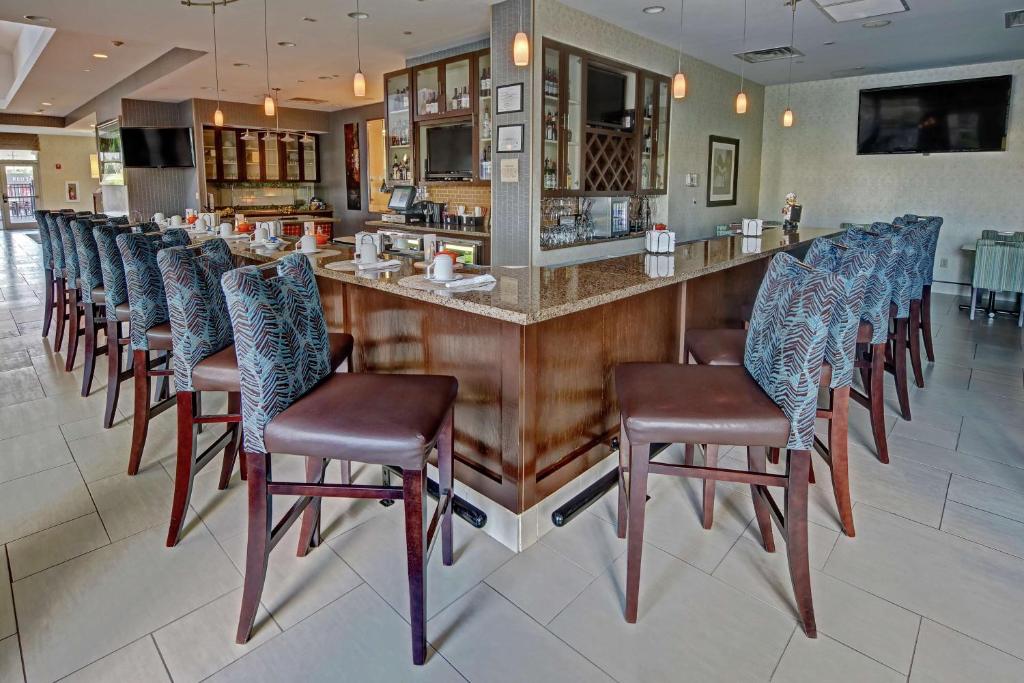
(899, 352)
(184, 471)
(257, 549)
(798, 463)
(688, 452)
(89, 369)
(309, 534)
(710, 460)
(62, 314)
(877, 397)
(773, 456)
(48, 303)
(414, 495)
(74, 324)
(140, 421)
(756, 463)
(915, 343)
(623, 511)
(231, 450)
(346, 471)
(639, 456)
(113, 371)
(838, 448)
(926, 322)
(446, 483)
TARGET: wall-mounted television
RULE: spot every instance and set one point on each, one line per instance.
(157, 147)
(606, 97)
(449, 152)
(952, 116)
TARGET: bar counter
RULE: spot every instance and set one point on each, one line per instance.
(534, 356)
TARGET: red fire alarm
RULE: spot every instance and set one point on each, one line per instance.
(58, 167)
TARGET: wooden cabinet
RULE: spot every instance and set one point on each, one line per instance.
(562, 122)
(400, 158)
(445, 88)
(654, 120)
(292, 163)
(253, 157)
(231, 154)
(309, 155)
(484, 117)
(211, 154)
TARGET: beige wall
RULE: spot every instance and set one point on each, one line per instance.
(817, 159)
(706, 110)
(72, 153)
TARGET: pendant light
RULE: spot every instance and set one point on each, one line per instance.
(741, 96)
(521, 44)
(679, 80)
(306, 138)
(218, 116)
(247, 135)
(787, 116)
(359, 80)
(268, 100)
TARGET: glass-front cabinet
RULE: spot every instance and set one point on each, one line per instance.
(485, 116)
(228, 154)
(310, 168)
(551, 119)
(269, 145)
(292, 163)
(234, 154)
(562, 129)
(572, 171)
(400, 162)
(251, 145)
(456, 87)
(654, 119)
(662, 136)
(429, 98)
(210, 153)
(445, 88)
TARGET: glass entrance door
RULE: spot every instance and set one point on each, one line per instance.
(18, 183)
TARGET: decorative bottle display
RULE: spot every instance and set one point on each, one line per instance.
(550, 174)
(551, 127)
(550, 81)
(400, 169)
(398, 101)
(485, 82)
(485, 162)
(485, 125)
(428, 102)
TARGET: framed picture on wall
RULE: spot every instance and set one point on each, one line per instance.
(509, 98)
(353, 181)
(72, 192)
(510, 138)
(723, 170)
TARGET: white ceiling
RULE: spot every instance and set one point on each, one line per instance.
(933, 33)
(150, 28)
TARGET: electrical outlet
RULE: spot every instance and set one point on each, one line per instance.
(943, 263)
(695, 202)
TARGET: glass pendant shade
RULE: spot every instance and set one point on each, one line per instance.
(268, 106)
(521, 50)
(787, 118)
(359, 84)
(218, 117)
(741, 103)
(679, 86)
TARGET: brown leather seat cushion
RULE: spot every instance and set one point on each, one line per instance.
(717, 347)
(670, 403)
(219, 372)
(123, 312)
(379, 419)
(159, 337)
(99, 295)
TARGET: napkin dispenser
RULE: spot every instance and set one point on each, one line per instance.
(660, 241)
(753, 227)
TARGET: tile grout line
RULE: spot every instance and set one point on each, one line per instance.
(14, 608)
(913, 654)
(783, 653)
(160, 654)
(945, 499)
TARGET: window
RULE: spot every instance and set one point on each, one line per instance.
(19, 155)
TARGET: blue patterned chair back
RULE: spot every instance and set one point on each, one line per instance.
(90, 271)
(907, 283)
(119, 220)
(176, 237)
(854, 267)
(111, 266)
(44, 238)
(146, 226)
(147, 300)
(878, 294)
(56, 244)
(200, 326)
(280, 340)
(787, 337)
(67, 239)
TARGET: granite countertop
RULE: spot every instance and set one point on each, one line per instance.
(526, 295)
(428, 228)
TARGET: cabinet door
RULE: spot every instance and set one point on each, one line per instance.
(457, 81)
(399, 161)
(210, 153)
(310, 161)
(661, 136)
(485, 116)
(251, 146)
(292, 165)
(572, 123)
(270, 148)
(229, 154)
(552, 119)
(429, 94)
(648, 110)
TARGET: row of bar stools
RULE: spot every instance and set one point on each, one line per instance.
(768, 402)
(293, 403)
(204, 360)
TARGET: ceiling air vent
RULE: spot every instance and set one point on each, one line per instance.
(769, 54)
(306, 100)
(1015, 19)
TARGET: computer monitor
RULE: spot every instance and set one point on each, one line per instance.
(402, 199)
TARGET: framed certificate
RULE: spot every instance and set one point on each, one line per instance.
(510, 138)
(510, 98)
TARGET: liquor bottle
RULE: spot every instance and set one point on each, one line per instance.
(396, 170)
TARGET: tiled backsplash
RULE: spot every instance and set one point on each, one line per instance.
(454, 194)
(245, 194)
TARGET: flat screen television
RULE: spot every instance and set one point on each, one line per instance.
(449, 152)
(952, 116)
(606, 97)
(157, 147)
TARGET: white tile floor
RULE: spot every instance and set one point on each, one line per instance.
(931, 589)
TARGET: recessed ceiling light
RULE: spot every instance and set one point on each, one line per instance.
(117, 43)
(654, 9)
(240, 64)
(309, 19)
(99, 55)
(286, 43)
(86, 70)
(829, 42)
(877, 23)
(46, 104)
(38, 18)
(406, 33)
(358, 15)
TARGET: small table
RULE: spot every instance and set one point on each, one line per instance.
(990, 309)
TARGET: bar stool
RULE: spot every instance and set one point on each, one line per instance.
(726, 347)
(204, 360)
(72, 285)
(934, 225)
(904, 315)
(118, 313)
(93, 296)
(49, 276)
(770, 401)
(292, 403)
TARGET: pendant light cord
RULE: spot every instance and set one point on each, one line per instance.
(682, 8)
(216, 67)
(743, 62)
(792, 36)
(266, 43)
(359, 52)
